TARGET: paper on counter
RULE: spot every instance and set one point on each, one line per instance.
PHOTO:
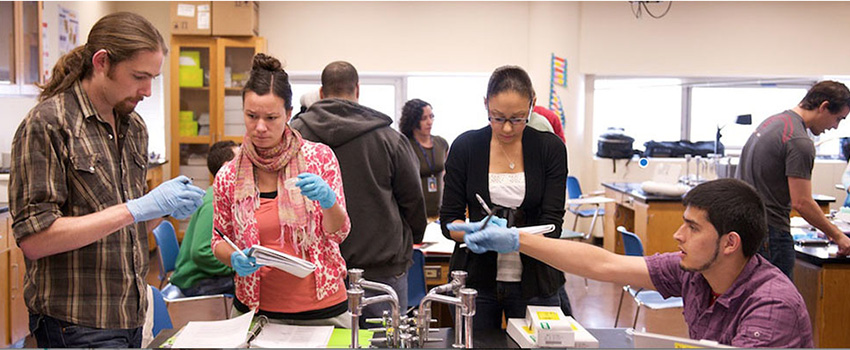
(286, 336)
(230, 333)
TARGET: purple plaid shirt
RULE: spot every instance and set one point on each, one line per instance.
(761, 309)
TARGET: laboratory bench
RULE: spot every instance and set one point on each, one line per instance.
(653, 218)
(822, 278)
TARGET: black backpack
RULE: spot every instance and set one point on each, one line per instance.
(615, 145)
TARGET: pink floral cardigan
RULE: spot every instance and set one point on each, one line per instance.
(324, 252)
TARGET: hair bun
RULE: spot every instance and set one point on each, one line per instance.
(265, 62)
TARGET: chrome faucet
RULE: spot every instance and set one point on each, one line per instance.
(465, 301)
(458, 282)
(356, 302)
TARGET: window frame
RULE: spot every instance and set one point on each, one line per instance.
(689, 83)
(399, 81)
(17, 87)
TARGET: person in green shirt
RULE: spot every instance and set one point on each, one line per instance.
(197, 271)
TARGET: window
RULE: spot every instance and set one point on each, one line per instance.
(456, 100)
(665, 109)
(382, 93)
(20, 47)
(646, 109)
(713, 107)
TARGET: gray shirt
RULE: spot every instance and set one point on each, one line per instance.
(779, 148)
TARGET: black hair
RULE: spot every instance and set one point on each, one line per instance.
(833, 92)
(510, 78)
(411, 115)
(267, 75)
(339, 78)
(732, 205)
(220, 152)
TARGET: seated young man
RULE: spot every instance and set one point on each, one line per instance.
(731, 294)
(197, 271)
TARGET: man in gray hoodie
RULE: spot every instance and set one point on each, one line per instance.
(380, 176)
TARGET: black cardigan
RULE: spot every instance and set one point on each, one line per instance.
(467, 169)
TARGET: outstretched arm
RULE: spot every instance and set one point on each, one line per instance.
(572, 257)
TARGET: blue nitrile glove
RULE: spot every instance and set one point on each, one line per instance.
(314, 187)
(499, 239)
(187, 208)
(243, 265)
(470, 227)
(175, 196)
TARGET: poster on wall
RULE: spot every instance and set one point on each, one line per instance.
(69, 29)
(46, 62)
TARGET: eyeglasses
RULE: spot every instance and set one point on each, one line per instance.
(513, 121)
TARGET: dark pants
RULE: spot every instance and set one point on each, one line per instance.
(778, 248)
(211, 286)
(508, 298)
(566, 307)
(399, 284)
(53, 333)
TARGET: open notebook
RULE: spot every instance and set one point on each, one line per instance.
(294, 265)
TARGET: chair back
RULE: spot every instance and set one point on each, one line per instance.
(161, 318)
(416, 288)
(167, 248)
(573, 187)
(631, 242)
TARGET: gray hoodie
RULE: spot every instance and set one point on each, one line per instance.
(380, 176)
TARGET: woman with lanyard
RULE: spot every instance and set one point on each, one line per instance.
(417, 118)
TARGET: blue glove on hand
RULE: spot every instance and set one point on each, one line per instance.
(499, 239)
(470, 227)
(244, 266)
(176, 197)
(314, 187)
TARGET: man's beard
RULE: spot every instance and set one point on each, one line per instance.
(125, 107)
(706, 265)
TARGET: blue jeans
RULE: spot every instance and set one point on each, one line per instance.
(211, 286)
(508, 298)
(53, 333)
(778, 248)
(399, 284)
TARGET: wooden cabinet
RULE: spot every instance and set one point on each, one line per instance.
(13, 310)
(822, 282)
(206, 100)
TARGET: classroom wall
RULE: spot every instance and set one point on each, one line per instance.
(709, 39)
(603, 38)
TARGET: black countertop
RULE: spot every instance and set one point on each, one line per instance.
(819, 255)
(633, 189)
(491, 339)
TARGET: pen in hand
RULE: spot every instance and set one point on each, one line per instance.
(232, 245)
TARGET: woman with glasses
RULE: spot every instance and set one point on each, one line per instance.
(521, 174)
(417, 118)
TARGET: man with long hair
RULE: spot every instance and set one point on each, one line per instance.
(77, 190)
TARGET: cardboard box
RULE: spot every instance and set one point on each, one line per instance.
(238, 18)
(191, 76)
(191, 18)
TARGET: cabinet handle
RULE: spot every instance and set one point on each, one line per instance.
(14, 278)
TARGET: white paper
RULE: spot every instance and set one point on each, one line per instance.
(232, 333)
(294, 265)
(203, 20)
(537, 230)
(185, 10)
(285, 336)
